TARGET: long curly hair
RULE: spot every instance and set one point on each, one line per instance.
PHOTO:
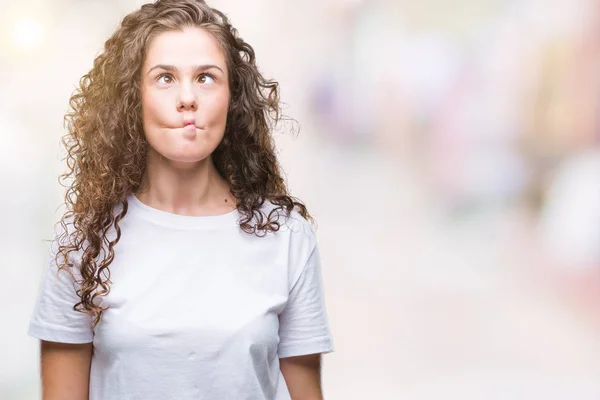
(107, 149)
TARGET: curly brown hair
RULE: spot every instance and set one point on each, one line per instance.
(107, 149)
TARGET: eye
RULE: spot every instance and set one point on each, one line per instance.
(169, 78)
(206, 78)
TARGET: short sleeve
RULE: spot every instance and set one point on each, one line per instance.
(303, 324)
(53, 317)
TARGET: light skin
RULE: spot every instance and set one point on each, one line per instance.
(302, 376)
(184, 78)
(65, 370)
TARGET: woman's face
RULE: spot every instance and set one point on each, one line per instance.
(185, 95)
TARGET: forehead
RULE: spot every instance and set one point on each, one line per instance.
(186, 48)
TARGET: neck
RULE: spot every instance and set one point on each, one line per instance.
(184, 188)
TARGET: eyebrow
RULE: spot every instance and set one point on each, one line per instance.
(173, 68)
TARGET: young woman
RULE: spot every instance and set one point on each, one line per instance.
(183, 268)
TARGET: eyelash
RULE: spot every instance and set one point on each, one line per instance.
(201, 75)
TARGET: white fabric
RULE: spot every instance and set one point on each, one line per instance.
(198, 309)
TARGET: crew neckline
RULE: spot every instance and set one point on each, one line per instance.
(165, 218)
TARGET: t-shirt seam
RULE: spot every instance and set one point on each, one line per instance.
(48, 326)
(323, 344)
(292, 342)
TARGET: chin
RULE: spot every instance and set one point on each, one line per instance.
(185, 159)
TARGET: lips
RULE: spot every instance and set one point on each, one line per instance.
(187, 122)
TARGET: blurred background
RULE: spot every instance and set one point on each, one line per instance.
(449, 150)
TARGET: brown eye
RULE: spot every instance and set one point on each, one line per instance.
(168, 78)
(206, 78)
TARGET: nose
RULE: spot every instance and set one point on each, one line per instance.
(187, 100)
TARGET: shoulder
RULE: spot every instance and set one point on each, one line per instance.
(63, 230)
(298, 232)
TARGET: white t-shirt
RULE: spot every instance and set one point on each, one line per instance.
(198, 309)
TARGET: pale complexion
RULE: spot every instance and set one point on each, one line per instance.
(185, 99)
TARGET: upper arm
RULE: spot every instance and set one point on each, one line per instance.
(303, 324)
(65, 370)
(54, 318)
(303, 327)
(303, 376)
